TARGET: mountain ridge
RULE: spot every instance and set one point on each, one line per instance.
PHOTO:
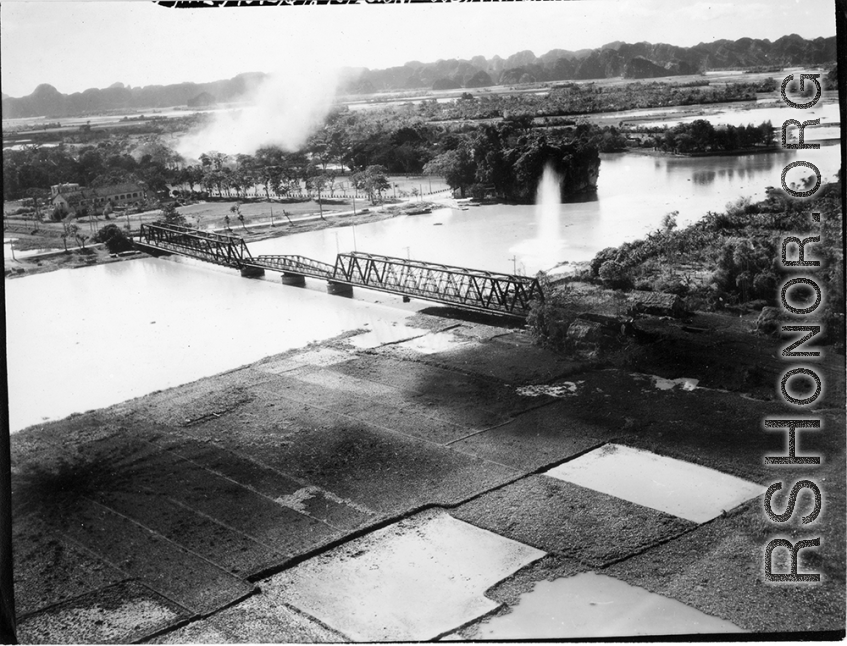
(615, 59)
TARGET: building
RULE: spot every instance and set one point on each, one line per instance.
(72, 198)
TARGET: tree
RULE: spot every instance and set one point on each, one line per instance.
(317, 183)
(73, 231)
(669, 221)
(373, 181)
(114, 239)
(236, 210)
(168, 215)
(457, 167)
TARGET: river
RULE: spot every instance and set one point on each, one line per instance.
(86, 338)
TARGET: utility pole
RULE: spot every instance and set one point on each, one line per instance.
(514, 260)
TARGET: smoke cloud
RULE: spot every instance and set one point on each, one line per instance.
(284, 110)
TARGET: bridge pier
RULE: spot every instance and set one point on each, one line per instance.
(295, 280)
(339, 289)
(249, 271)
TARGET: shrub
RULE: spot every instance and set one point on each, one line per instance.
(615, 275)
(548, 320)
(670, 285)
(609, 253)
(764, 285)
(114, 239)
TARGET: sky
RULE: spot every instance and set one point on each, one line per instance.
(78, 45)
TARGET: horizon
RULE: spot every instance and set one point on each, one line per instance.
(204, 45)
(423, 62)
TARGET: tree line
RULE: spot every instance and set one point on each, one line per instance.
(700, 136)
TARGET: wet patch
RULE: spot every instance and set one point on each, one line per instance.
(122, 614)
(382, 333)
(673, 486)
(660, 383)
(414, 580)
(435, 343)
(320, 357)
(568, 520)
(595, 605)
(326, 506)
(561, 389)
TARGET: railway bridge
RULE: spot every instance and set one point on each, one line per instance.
(460, 287)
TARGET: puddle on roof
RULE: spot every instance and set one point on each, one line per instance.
(562, 389)
(684, 383)
(435, 342)
(595, 605)
(410, 581)
(385, 332)
(676, 487)
(322, 357)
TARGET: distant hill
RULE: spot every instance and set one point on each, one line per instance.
(636, 60)
(47, 101)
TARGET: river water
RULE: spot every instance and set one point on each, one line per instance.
(86, 338)
(633, 193)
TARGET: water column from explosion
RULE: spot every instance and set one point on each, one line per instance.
(547, 205)
(546, 248)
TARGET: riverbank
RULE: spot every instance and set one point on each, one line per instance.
(214, 510)
(650, 152)
(97, 254)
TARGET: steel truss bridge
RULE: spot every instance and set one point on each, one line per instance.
(216, 248)
(470, 289)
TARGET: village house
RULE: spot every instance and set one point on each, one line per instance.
(73, 199)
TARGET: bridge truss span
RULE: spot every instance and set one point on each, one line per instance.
(296, 265)
(230, 251)
(471, 289)
(474, 289)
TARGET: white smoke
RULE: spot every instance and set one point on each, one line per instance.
(284, 110)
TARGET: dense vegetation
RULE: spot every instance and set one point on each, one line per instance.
(701, 136)
(739, 249)
(586, 98)
(723, 261)
(503, 159)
